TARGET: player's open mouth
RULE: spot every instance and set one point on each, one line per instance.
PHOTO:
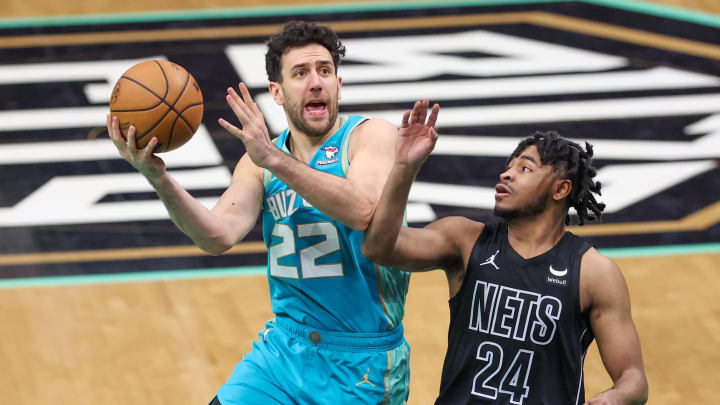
(316, 108)
(502, 190)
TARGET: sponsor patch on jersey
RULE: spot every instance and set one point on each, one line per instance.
(558, 273)
(557, 277)
(331, 153)
(556, 281)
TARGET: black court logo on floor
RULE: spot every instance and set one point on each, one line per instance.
(644, 89)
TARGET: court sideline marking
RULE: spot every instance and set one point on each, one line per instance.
(248, 271)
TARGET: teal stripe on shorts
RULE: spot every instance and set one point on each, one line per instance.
(398, 375)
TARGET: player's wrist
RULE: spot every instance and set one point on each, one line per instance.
(274, 160)
(157, 178)
(407, 168)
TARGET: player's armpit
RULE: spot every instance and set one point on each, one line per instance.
(441, 244)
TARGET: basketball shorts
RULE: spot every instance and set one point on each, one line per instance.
(295, 364)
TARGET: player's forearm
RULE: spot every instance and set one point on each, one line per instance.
(194, 219)
(381, 237)
(333, 195)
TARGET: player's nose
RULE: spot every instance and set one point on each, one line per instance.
(315, 81)
(506, 175)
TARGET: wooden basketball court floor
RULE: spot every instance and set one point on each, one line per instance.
(175, 342)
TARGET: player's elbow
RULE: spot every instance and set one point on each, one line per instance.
(376, 252)
(642, 397)
(215, 246)
(371, 254)
(359, 225)
(368, 251)
(214, 249)
(636, 386)
(362, 218)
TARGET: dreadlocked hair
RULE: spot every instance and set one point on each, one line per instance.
(571, 162)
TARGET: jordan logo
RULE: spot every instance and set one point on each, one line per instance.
(365, 379)
(491, 260)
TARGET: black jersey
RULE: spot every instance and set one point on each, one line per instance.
(517, 335)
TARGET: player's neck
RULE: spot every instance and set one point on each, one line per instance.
(531, 237)
(303, 146)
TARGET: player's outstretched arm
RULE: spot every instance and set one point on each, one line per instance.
(386, 241)
(214, 230)
(608, 301)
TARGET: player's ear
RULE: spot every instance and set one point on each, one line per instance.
(339, 95)
(276, 93)
(561, 189)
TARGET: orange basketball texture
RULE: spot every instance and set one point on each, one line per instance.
(162, 100)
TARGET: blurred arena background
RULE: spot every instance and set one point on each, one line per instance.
(103, 301)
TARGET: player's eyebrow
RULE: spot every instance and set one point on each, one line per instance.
(530, 158)
(324, 62)
(299, 65)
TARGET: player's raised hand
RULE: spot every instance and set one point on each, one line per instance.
(254, 133)
(417, 137)
(143, 160)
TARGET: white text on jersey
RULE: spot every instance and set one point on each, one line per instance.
(283, 203)
(509, 312)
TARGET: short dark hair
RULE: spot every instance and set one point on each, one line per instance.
(571, 162)
(300, 33)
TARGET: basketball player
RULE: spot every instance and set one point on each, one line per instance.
(527, 297)
(337, 337)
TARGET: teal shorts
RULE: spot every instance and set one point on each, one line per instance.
(296, 364)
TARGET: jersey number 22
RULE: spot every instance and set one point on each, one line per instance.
(307, 256)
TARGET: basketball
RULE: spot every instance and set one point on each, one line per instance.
(161, 99)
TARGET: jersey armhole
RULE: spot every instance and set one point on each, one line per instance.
(346, 144)
(266, 178)
(582, 250)
(473, 257)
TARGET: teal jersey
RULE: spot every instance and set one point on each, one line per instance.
(317, 275)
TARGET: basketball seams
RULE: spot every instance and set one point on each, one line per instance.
(167, 82)
(187, 124)
(171, 107)
(179, 113)
(161, 100)
(183, 118)
(185, 109)
(155, 124)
